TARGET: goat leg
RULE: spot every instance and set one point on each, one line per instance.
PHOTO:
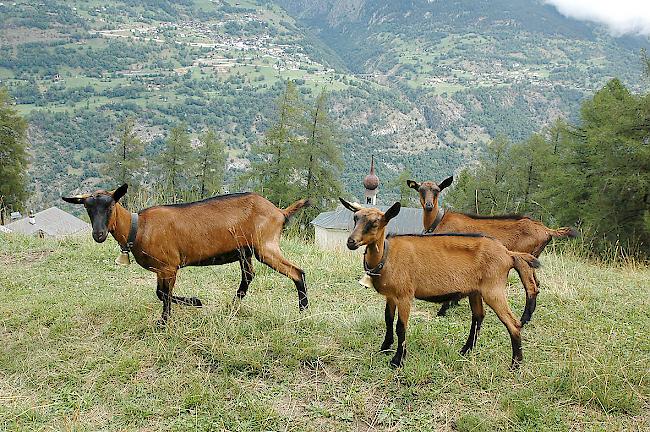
(478, 313)
(389, 317)
(403, 311)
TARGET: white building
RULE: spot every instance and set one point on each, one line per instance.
(332, 228)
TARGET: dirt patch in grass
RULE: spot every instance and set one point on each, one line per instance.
(26, 257)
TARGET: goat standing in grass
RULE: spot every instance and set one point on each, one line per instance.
(217, 230)
(517, 233)
(438, 268)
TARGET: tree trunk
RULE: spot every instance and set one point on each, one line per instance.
(530, 175)
(313, 144)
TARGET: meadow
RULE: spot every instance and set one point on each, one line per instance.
(80, 349)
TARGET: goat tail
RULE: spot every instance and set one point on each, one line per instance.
(564, 232)
(294, 208)
(524, 263)
(527, 258)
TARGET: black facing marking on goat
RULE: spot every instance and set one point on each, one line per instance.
(401, 339)
(369, 226)
(442, 298)
(208, 200)
(389, 318)
(301, 286)
(225, 258)
(439, 235)
(497, 217)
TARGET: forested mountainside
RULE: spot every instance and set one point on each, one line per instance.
(421, 84)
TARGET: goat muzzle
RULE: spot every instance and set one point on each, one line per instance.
(100, 236)
(352, 244)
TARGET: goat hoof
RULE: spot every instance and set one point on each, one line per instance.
(464, 350)
(398, 360)
(235, 306)
(516, 362)
(385, 348)
(303, 307)
(196, 302)
(162, 322)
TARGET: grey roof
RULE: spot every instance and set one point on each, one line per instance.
(408, 221)
(53, 222)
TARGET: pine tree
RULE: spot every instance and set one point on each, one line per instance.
(13, 156)
(175, 162)
(125, 161)
(596, 173)
(496, 160)
(528, 163)
(211, 164)
(407, 196)
(274, 172)
(320, 157)
(608, 165)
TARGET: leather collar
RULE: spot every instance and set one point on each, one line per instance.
(436, 222)
(133, 232)
(377, 270)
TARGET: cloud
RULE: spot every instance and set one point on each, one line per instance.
(620, 16)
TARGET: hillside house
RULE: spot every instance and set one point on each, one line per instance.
(52, 222)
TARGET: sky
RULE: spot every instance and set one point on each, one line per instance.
(620, 16)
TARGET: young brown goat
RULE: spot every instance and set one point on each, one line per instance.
(437, 268)
(217, 230)
(517, 233)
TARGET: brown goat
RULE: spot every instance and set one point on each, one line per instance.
(217, 230)
(517, 233)
(437, 268)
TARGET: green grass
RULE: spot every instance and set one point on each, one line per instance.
(81, 351)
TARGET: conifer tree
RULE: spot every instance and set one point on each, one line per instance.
(211, 164)
(13, 156)
(596, 173)
(175, 162)
(125, 161)
(528, 165)
(274, 171)
(407, 196)
(319, 156)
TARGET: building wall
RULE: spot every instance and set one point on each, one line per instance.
(331, 239)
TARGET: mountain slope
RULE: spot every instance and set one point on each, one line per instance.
(421, 84)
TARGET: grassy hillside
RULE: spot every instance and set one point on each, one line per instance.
(80, 350)
(422, 85)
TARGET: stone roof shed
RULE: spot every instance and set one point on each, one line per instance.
(52, 222)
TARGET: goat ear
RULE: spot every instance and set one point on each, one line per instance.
(392, 211)
(413, 184)
(120, 192)
(350, 206)
(446, 182)
(77, 199)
